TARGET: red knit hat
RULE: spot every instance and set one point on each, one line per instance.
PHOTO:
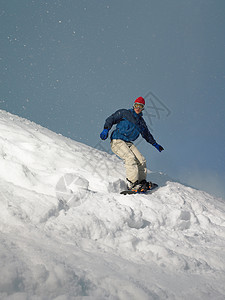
(140, 100)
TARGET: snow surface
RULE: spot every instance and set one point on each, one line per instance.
(66, 232)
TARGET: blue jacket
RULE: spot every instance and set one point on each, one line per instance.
(129, 126)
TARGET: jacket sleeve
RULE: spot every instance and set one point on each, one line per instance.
(114, 119)
(146, 134)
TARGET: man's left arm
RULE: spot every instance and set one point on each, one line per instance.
(146, 134)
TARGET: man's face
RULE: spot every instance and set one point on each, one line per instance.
(138, 108)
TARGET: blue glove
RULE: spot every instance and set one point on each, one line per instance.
(104, 134)
(158, 147)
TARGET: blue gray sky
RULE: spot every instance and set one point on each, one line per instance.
(68, 64)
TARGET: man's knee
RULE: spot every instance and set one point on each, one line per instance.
(131, 160)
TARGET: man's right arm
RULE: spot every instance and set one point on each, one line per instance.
(114, 119)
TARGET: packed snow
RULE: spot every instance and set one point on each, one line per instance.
(66, 232)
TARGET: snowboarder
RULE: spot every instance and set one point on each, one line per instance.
(130, 124)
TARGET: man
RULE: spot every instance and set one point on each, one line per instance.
(130, 124)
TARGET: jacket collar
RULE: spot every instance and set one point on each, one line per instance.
(134, 113)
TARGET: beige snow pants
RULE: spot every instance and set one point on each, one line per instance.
(135, 162)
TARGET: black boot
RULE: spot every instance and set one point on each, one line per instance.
(130, 184)
(145, 185)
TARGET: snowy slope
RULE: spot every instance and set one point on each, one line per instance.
(66, 232)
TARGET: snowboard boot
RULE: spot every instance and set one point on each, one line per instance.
(145, 185)
(139, 187)
(133, 186)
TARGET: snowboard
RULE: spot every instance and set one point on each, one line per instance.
(129, 192)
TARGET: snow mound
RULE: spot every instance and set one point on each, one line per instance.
(67, 233)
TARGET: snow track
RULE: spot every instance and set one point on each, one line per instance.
(67, 233)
